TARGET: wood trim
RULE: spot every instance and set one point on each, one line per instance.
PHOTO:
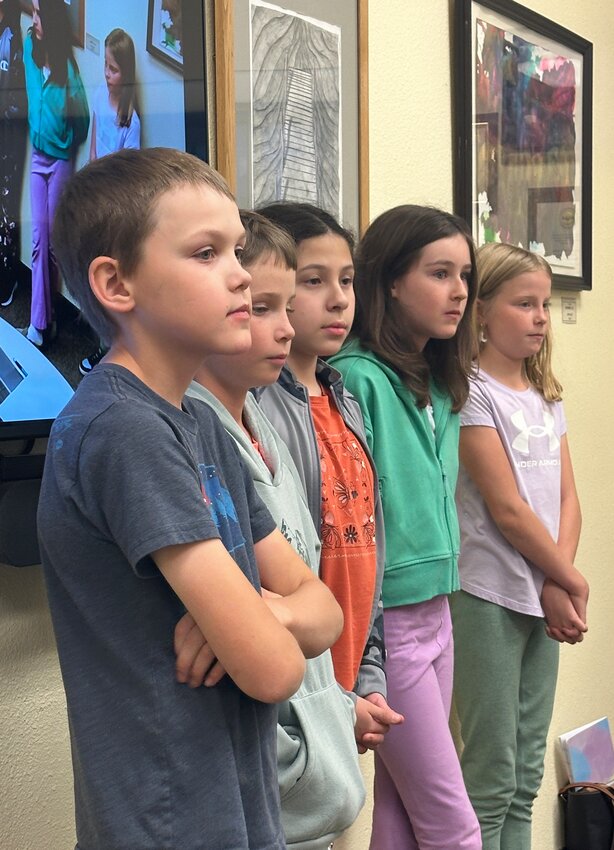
(363, 115)
(225, 126)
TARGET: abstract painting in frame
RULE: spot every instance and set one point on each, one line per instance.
(299, 97)
(523, 127)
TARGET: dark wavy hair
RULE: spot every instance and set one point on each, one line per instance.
(391, 245)
(305, 221)
(56, 45)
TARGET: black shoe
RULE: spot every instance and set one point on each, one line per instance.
(88, 363)
(7, 292)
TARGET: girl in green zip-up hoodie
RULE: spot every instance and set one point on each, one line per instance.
(406, 362)
(58, 118)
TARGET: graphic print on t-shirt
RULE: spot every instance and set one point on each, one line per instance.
(223, 512)
(348, 562)
(521, 442)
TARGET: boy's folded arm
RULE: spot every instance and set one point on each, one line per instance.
(307, 607)
(261, 656)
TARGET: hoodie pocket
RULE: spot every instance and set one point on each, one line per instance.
(320, 783)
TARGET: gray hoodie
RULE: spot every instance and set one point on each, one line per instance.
(320, 783)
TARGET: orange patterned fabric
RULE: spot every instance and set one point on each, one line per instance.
(348, 563)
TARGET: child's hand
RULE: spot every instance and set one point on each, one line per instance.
(563, 622)
(373, 719)
(196, 664)
(580, 597)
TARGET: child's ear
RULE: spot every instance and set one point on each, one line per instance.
(479, 306)
(108, 285)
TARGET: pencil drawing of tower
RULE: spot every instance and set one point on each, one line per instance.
(299, 177)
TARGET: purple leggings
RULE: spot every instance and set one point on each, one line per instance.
(47, 180)
(420, 801)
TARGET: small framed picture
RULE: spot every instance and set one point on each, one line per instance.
(165, 32)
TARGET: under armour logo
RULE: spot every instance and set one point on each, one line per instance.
(521, 442)
(4, 65)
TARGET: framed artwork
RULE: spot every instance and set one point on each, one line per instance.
(76, 13)
(165, 31)
(292, 109)
(523, 134)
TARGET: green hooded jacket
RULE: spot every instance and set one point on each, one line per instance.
(417, 472)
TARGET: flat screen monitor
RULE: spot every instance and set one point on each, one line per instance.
(166, 92)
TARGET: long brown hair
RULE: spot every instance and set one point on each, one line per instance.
(121, 47)
(499, 262)
(391, 245)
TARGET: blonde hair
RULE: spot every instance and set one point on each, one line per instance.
(498, 262)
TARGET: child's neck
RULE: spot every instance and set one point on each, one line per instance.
(167, 379)
(304, 369)
(232, 397)
(510, 373)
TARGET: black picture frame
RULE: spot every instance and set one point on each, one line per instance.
(523, 134)
(171, 53)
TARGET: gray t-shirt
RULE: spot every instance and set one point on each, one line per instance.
(530, 429)
(157, 765)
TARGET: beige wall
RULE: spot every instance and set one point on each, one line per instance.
(410, 161)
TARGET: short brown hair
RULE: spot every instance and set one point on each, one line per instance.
(109, 209)
(266, 239)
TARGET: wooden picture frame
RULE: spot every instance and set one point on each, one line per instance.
(523, 134)
(354, 210)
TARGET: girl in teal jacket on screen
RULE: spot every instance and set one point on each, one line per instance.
(58, 117)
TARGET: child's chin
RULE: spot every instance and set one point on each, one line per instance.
(239, 345)
(333, 347)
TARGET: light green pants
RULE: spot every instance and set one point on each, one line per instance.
(505, 670)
